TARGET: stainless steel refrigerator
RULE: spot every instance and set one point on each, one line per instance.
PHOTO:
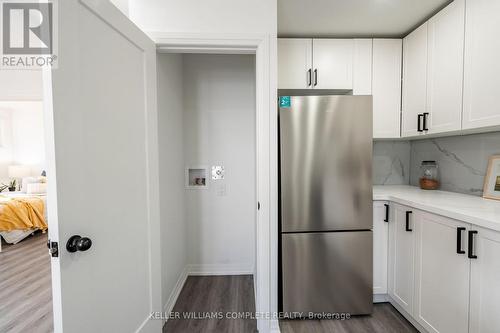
(326, 204)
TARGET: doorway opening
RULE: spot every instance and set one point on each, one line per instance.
(207, 155)
(25, 268)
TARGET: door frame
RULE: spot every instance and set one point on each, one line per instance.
(264, 47)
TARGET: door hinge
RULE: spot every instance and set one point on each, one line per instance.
(53, 248)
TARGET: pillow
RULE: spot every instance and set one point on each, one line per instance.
(27, 180)
(36, 188)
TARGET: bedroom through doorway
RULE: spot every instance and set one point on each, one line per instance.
(25, 265)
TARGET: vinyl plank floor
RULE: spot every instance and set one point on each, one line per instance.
(385, 319)
(25, 286)
(206, 295)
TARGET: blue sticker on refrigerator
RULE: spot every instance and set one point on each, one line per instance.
(285, 102)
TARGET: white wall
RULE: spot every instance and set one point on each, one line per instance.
(121, 5)
(171, 158)
(21, 136)
(219, 129)
(195, 16)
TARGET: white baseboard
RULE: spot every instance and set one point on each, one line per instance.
(172, 299)
(220, 269)
(405, 314)
(380, 298)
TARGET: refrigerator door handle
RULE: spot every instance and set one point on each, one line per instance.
(408, 212)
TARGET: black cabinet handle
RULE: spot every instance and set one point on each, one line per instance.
(386, 213)
(408, 212)
(309, 77)
(419, 122)
(425, 128)
(315, 77)
(459, 240)
(471, 254)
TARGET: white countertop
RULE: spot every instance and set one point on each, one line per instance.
(466, 208)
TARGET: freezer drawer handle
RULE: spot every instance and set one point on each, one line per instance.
(471, 254)
(386, 213)
(408, 212)
(459, 240)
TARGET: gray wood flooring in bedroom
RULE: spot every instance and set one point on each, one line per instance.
(207, 294)
(25, 287)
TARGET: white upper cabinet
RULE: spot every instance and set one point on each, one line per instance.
(482, 69)
(484, 282)
(445, 49)
(362, 67)
(295, 63)
(441, 274)
(332, 60)
(386, 88)
(414, 81)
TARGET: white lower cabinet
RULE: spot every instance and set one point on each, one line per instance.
(441, 274)
(444, 273)
(401, 256)
(485, 282)
(380, 244)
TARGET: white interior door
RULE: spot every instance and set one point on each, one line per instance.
(103, 171)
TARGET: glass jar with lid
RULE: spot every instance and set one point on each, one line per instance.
(429, 175)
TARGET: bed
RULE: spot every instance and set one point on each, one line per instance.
(15, 236)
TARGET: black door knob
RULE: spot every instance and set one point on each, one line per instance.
(78, 243)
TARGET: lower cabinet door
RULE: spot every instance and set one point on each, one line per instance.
(401, 257)
(441, 274)
(485, 282)
(380, 244)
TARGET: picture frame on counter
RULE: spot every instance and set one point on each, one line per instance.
(491, 188)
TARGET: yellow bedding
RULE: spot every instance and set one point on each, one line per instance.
(22, 214)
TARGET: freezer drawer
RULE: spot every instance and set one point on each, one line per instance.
(327, 272)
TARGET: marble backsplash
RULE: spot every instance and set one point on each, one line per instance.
(462, 161)
(391, 162)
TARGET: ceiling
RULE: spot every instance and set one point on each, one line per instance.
(353, 18)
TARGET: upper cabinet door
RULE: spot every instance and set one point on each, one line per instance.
(445, 49)
(295, 64)
(414, 80)
(362, 67)
(386, 88)
(482, 69)
(332, 59)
